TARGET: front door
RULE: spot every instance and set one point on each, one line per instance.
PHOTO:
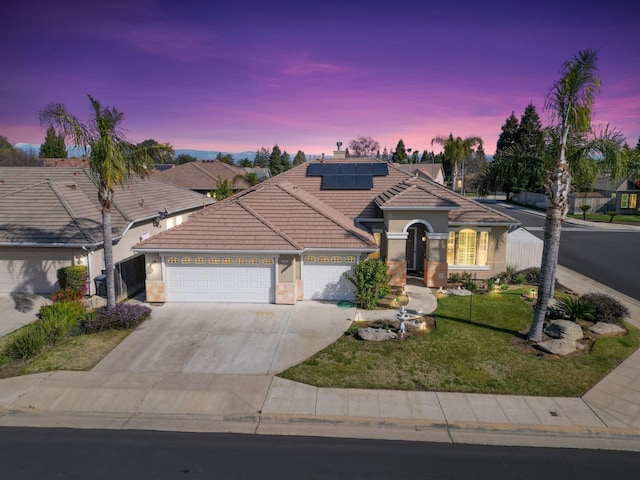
(412, 249)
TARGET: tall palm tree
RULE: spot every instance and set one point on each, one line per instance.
(456, 150)
(112, 161)
(570, 102)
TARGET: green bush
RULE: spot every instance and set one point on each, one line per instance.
(606, 308)
(59, 319)
(576, 308)
(74, 277)
(371, 278)
(454, 278)
(531, 275)
(26, 343)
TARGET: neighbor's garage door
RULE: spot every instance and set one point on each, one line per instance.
(32, 270)
(323, 276)
(220, 279)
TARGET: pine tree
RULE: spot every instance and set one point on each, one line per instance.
(286, 161)
(275, 161)
(400, 155)
(508, 135)
(53, 146)
(300, 158)
(262, 157)
(529, 134)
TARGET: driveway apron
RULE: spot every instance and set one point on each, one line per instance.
(225, 339)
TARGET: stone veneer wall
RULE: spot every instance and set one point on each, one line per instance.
(299, 289)
(398, 271)
(155, 291)
(435, 274)
(286, 293)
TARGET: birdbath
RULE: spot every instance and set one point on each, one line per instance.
(402, 315)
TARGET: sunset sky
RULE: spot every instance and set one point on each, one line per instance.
(239, 75)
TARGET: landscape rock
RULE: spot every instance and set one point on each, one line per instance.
(560, 346)
(376, 335)
(604, 328)
(564, 329)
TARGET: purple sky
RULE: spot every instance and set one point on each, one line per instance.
(239, 75)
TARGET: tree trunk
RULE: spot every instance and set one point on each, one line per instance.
(552, 229)
(108, 257)
(558, 191)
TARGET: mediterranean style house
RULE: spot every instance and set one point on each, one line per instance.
(292, 237)
(51, 218)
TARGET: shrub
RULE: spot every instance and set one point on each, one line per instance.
(26, 343)
(67, 294)
(491, 282)
(469, 285)
(531, 275)
(585, 208)
(606, 308)
(454, 278)
(74, 277)
(57, 320)
(371, 278)
(520, 279)
(120, 317)
(575, 308)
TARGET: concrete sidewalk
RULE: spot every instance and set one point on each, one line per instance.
(606, 417)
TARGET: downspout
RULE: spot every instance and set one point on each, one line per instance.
(89, 270)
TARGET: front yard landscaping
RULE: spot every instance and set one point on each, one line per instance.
(478, 346)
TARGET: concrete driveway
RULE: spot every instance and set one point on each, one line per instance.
(18, 309)
(216, 338)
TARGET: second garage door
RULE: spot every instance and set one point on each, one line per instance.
(220, 279)
(324, 279)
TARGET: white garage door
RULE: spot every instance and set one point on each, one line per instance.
(323, 276)
(220, 279)
(31, 270)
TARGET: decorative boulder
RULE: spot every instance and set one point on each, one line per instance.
(560, 346)
(604, 328)
(375, 334)
(564, 329)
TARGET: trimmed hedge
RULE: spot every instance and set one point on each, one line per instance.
(74, 277)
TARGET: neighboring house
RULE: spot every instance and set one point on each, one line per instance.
(261, 172)
(202, 176)
(51, 217)
(623, 194)
(431, 171)
(292, 237)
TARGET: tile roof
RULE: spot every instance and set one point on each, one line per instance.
(269, 217)
(57, 206)
(291, 212)
(202, 175)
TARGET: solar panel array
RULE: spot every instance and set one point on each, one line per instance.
(347, 176)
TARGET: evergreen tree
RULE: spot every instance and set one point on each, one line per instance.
(346, 152)
(275, 161)
(262, 158)
(400, 155)
(184, 158)
(508, 135)
(286, 161)
(226, 158)
(245, 162)
(300, 158)
(6, 146)
(385, 154)
(529, 134)
(53, 146)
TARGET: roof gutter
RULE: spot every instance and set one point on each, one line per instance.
(52, 245)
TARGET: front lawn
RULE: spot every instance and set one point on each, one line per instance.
(482, 354)
(603, 217)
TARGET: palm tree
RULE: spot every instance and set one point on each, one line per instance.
(456, 150)
(570, 101)
(112, 161)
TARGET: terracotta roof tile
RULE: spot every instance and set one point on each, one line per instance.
(202, 175)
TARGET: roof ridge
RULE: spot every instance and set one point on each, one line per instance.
(268, 224)
(199, 167)
(345, 222)
(67, 206)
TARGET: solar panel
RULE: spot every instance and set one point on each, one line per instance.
(348, 168)
(347, 182)
(332, 168)
(364, 182)
(363, 168)
(379, 169)
(315, 170)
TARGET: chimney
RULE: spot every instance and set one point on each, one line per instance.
(322, 160)
(339, 154)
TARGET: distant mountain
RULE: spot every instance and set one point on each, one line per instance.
(73, 151)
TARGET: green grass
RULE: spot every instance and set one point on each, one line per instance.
(82, 352)
(603, 217)
(466, 355)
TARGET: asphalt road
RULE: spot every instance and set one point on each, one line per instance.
(126, 454)
(609, 257)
